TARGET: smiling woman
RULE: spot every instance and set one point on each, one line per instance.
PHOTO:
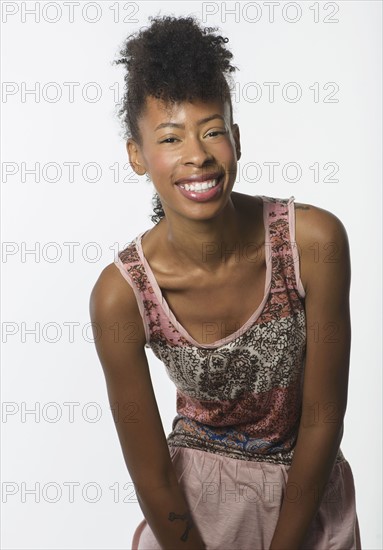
(224, 290)
(153, 63)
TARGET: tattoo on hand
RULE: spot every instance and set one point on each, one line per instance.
(189, 525)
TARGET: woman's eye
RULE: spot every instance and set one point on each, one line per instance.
(216, 132)
(167, 140)
(171, 140)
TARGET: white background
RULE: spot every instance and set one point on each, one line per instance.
(44, 289)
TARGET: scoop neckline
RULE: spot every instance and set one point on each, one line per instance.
(170, 314)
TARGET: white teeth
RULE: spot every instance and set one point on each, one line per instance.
(200, 187)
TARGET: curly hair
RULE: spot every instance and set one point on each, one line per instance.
(174, 60)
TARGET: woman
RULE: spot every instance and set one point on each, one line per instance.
(252, 326)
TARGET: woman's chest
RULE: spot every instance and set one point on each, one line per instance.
(215, 306)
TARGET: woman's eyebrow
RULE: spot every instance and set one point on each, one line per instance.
(201, 121)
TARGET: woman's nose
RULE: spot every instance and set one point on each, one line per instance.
(196, 151)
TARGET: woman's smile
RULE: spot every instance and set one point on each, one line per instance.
(202, 192)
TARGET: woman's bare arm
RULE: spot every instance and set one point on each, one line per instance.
(120, 339)
(327, 272)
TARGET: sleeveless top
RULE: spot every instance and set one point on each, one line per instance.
(240, 396)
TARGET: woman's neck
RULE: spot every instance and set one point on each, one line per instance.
(208, 246)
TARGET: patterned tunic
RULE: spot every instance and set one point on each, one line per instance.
(241, 396)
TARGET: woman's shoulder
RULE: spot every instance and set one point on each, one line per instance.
(314, 224)
(321, 239)
(112, 298)
(319, 235)
(310, 221)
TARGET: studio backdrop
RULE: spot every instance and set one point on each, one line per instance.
(307, 99)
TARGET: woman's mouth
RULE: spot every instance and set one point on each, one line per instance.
(201, 191)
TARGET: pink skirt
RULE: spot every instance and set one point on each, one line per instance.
(235, 504)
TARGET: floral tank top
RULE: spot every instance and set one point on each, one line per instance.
(240, 396)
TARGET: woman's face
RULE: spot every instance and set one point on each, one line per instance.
(178, 143)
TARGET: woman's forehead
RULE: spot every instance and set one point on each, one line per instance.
(156, 109)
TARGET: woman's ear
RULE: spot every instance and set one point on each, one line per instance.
(237, 140)
(135, 157)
